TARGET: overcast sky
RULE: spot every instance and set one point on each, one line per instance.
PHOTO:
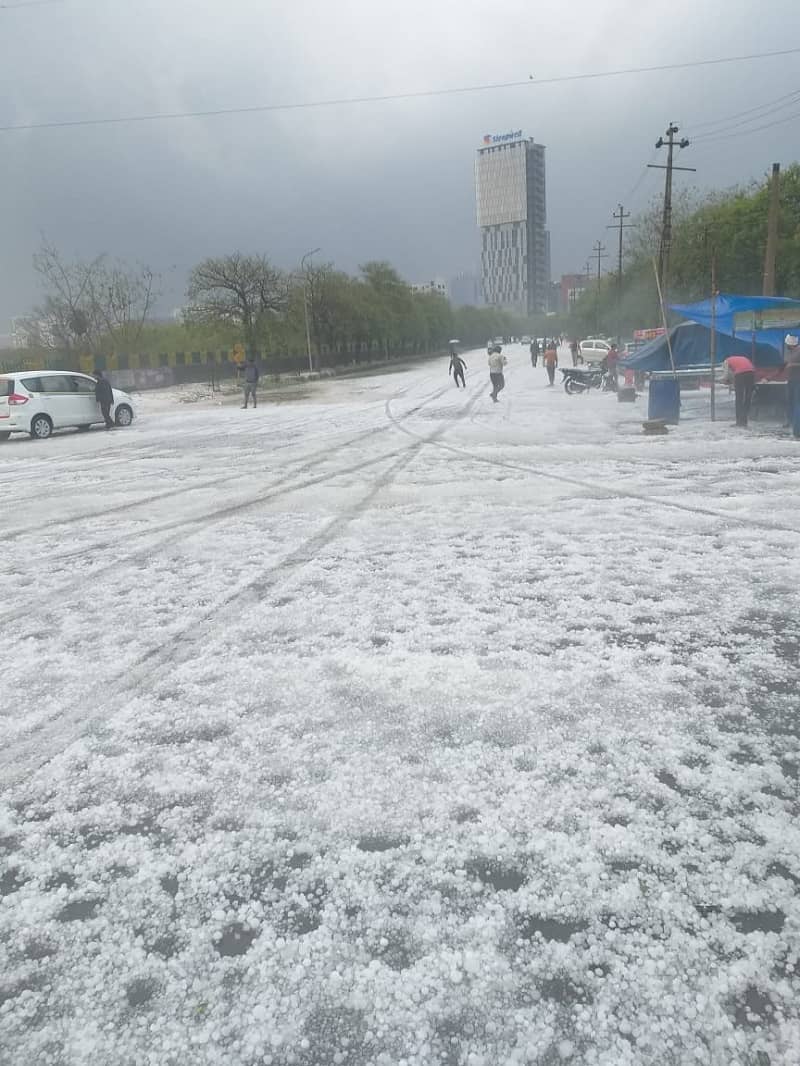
(389, 180)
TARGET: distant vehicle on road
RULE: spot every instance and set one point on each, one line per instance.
(594, 350)
(525, 340)
(40, 401)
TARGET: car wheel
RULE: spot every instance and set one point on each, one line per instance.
(41, 427)
(5, 435)
(123, 415)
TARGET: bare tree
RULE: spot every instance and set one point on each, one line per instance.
(243, 290)
(90, 304)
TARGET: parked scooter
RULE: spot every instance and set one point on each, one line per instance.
(582, 378)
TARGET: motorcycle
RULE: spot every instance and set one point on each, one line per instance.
(582, 378)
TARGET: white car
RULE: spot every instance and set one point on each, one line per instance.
(40, 401)
(594, 350)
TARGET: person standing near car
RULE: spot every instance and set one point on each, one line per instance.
(741, 371)
(573, 347)
(251, 376)
(496, 363)
(551, 362)
(104, 395)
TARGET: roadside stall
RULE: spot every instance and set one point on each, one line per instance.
(691, 353)
(758, 326)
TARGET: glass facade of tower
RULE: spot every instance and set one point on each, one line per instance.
(512, 216)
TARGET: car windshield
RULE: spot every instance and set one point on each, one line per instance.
(393, 673)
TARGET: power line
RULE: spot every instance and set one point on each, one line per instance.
(744, 133)
(29, 3)
(741, 114)
(422, 94)
(640, 180)
(731, 126)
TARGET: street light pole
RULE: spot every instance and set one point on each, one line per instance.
(305, 306)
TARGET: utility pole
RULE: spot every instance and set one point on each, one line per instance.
(599, 252)
(666, 220)
(621, 225)
(714, 295)
(709, 244)
(771, 253)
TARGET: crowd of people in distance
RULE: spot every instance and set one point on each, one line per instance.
(740, 374)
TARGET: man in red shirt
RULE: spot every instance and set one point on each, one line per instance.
(551, 361)
(743, 373)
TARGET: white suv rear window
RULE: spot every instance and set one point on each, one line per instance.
(6, 386)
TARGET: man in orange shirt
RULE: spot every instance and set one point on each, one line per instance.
(743, 373)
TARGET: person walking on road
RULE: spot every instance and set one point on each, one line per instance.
(573, 347)
(792, 360)
(457, 368)
(496, 363)
(535, 349)
(612, 359)
(739, 369)
(104, 395)
(551, 362)
(251, 376)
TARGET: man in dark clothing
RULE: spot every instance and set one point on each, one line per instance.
(457, 368)
(250, 382)
(535, 349)
(104, 395)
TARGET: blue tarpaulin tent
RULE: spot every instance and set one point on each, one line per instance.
(691, 346)
(767, 319)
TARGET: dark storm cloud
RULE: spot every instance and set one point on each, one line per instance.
(390, 180)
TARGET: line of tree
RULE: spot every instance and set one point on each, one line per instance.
(375, 309)
(100, 307)
(731, 225)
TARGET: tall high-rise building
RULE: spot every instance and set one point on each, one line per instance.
(512, 215)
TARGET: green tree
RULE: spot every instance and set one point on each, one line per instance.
(240, 290)
(730, 224)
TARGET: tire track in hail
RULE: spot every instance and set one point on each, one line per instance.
(176, 529)
(25, 469)
(597, 490)
(20, 531)
(47, 739)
